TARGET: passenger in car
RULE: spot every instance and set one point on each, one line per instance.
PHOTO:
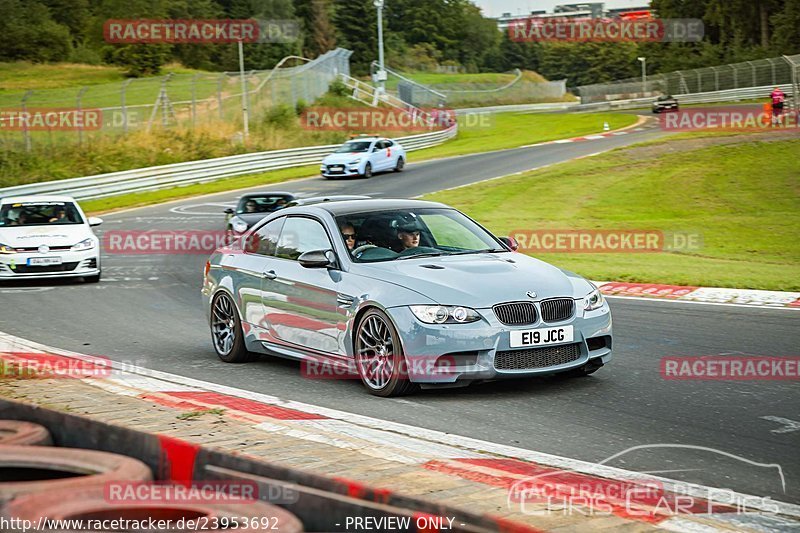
(408, 234)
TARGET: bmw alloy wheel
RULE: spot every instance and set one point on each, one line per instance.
(379, 356)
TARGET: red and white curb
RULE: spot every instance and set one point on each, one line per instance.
(702, 295)
(491, 464)
(622, 131)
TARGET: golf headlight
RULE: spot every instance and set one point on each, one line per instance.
(87, 244)
(441, 314)
(238, 225)
(594, 300)
(6, 249)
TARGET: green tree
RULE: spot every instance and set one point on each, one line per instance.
(27, 32)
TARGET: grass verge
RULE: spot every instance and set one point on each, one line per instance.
(505, 132)
(740, 197)
(511, 130)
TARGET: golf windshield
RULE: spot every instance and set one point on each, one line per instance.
(399, 234)
(39, 214)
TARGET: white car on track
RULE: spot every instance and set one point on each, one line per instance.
(47, 237)
(364, 156)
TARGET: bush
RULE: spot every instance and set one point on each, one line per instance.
(282, 116)
(338, 88)
(300, 107)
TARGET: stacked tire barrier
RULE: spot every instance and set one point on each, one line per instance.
(71, 480)
(54, 486)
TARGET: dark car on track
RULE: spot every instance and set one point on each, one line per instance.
(252, 208)
(664, 104)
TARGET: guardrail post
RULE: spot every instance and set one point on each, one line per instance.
(26, 135)
(80, 121)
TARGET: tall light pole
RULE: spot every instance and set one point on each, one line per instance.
(644, 74)
(381, 74)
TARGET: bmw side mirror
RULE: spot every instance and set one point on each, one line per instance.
(317, 259)
(510, 242)
(95, 221)
(229, 211)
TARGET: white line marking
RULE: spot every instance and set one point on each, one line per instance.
(620, 133)
(788, 425)
(595, 137)
(563, 141)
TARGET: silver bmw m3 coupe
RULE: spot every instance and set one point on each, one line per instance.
(401, 294)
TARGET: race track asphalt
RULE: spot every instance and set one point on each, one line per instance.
(147, 311)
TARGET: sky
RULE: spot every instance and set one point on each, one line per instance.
(495, 8)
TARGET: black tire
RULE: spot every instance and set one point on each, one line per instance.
(92, 279)
(375, 329)
(226, 331)
(368, 171)
(401, 163)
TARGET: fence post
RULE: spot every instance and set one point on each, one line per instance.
(26, 135)
(735, 77)
(123, 106)
(753, 67)
(165, 101)
(716, 78)
(80, 122)
(194, 100)
(774, 74)
(219, 95)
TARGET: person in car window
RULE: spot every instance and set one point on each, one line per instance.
(250, 207)
(59, 216)
(349, 235)
(408, 233)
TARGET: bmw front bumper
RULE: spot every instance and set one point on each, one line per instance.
(439, 354)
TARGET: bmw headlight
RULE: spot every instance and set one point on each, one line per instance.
(6, 249)
(443, 314)
(594, 300)
(238, 225)
(86, 244)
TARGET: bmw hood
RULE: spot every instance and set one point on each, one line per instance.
(479, 281)
(51, 235)
(343, 159)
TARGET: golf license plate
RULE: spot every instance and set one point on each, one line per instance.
(44, 261)
(541, 337)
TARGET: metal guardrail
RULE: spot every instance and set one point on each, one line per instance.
(730, 95)
(203, 171)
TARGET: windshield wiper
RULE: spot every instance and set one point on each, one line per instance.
(414, 256)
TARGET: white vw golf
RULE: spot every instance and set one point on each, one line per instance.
(47, 237)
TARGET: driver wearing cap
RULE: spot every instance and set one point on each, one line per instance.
(408, 233)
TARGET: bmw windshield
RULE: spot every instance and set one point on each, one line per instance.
(406, 234)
